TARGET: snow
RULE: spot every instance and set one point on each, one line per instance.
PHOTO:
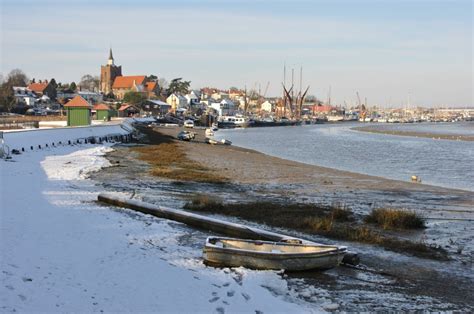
(62, 251)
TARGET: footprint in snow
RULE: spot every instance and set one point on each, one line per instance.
(220, 310)
(214, 299)
(246, 296)
(230, 293)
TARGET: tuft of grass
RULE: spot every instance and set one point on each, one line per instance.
(395, 219)
(340, 212)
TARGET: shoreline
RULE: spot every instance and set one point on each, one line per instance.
(205, 154)
(434, 136)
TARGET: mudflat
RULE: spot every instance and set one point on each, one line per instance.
(377, 129)
(245, 166)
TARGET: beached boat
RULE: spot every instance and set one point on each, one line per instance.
(290, 256)
(211, 141)
(209, 132)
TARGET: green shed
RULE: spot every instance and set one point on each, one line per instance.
(78, 112)
(102, 112)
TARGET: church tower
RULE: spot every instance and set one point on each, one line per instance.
(108, 73)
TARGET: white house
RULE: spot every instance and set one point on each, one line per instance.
(176, 101)
(193, 98)
(266, 106)
(24, 95)
(224, 108)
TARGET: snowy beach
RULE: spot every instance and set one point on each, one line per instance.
(62, 251)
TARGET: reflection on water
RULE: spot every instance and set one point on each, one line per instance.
(438, 162)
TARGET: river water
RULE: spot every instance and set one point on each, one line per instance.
(445, 163)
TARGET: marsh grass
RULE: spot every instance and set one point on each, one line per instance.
(167, 160)
(336, 221)
(395, 219)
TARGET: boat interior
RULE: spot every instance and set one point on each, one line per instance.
(271, 247)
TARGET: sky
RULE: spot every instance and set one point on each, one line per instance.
(390, 52)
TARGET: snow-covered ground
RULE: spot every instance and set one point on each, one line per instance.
(62, 251)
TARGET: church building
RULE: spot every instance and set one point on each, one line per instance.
(112, 81)
(108, 73)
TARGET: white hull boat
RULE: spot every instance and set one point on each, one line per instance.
(253, 254)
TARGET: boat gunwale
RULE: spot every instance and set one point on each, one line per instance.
(212, 248)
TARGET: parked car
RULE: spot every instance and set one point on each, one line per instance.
(186, 135)
(189, 124)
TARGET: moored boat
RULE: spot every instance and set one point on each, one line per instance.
(268, 122)
(254, 254)
(335, 118)
(232, 122)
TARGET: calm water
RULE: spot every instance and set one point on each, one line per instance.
(438, 162)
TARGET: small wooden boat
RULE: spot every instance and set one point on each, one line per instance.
(290, 256)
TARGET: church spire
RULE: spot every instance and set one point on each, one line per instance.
(111, 58)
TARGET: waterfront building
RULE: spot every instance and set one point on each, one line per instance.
(127, 110)
(176, 101)
(266, 106)
(193, 98)
(102, 112)
(224, 108)
(78, 112)
(156, 107)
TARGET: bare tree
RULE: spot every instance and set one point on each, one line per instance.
(90, 83)
(16, 77)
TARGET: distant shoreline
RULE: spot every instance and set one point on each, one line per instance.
(435, 136)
